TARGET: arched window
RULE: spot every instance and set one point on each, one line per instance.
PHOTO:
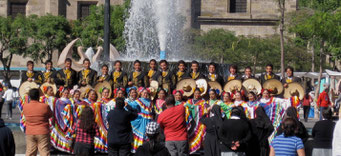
(238, 6)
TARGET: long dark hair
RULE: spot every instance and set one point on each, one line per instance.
(154, 139)
(289, 127)
(87, 119)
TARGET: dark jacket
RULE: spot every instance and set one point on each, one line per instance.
(323, 134)
(293, 79)
(7, 145)
(91, 78)
(120, 131)
(61, 79)
(37, 76)
(234, 130)
(263, 77)
(158, 150)
(218, 78)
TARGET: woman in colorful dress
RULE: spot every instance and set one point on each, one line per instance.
(238, 101)
(91, 97)
(213, 94)
(76, 97)
(195, 109)
(118, 92)
(63, 122)
(227, 105)
(252, 104)
(132, 95)
(178, 97)
(144, 106)
(159, 102)
(48, 97)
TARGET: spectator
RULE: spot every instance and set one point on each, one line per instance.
(1, 99)
(336, 139)
(120, 134)
(261, 128)
(7, 145)
(235, 134)
(153, 147)
(9, 98)
(37, 116)
(323, 101)
(323, 134)
(172, 121)
(287, 144)
(212, 123)
(306, 106)
(85, 131)
(301, 131)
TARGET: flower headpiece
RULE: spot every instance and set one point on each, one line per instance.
(116, 91)
(175, 91)
(217, 91)
(141, 89)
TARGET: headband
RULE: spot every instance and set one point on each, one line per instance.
(141, 89)
(217, 91)
(180, 91)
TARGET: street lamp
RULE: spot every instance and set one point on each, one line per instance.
(106, 46)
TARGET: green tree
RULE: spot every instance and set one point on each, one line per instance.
(48, 33)
(13, 40)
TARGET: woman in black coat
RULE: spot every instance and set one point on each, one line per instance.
(261, 129)
(212, 121)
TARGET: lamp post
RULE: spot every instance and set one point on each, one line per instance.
(106, 46)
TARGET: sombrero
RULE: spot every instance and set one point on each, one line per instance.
(26, 87)
(215, 85)
(84, 91)
(274, 85)
(47, 84)
(154, 85)
(187, 85)
(252, 85)
(202, 85)
(233, 85)
(294, 89)
(100, 86)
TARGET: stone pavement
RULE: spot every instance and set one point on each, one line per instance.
(19, 136)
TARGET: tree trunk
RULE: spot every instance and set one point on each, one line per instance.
(311, 50)
(317, 90)
(7, 69)
(282, 9)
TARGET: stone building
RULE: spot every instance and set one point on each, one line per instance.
(71, 9)
(244, 17)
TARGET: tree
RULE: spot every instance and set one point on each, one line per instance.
(281, 5)
(13, 40)
(48, 33)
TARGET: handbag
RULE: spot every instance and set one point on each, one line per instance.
(311, 112)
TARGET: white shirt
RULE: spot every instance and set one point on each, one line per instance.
(9, 95)
(336, 139)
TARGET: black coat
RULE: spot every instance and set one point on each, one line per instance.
(263, 77)
(7, 145)
(37, 76)
(158, 150)
(120, 131)
(91, 78)
(234, 130)
(60, 79)
(218, 78)
(294, 79)
(323, 134)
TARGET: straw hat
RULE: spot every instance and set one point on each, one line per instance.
(215, 85)
(274, 85)
(84, 91)
(187, 85)
(252, 85)
(100, 86)
(233, 85)
(154, 86)
(26, 87)
(202, 85)
(294, 89)
(47, 84)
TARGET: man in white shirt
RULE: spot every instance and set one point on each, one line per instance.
(9, 97)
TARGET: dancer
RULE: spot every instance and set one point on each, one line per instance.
(138, 78)
(181, 73)
(66, 77)
(227, 105)
(119, 77)
(31, 75)
(233, 74)
(166, 78)
(49, 73)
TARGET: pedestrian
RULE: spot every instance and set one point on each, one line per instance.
(1, 99)
(306, 106)
(235, 134)
(301, 131)
(120, 133)
(172, 121)
(287, 144)
(212, 120)
(261, 129)
(86, 129)
(9, 98)
(37, 132)
(323, 101)
(153, 147)
(323, 134)
(336, 139)
(7, 145)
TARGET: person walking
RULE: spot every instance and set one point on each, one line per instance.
(306, 106)
(172, 121)
(323, 101)
(7, 144)
(9, 98)
(120, 133)
(1, 99)
(37, 132)
(323, 134)
(287, 144)
(85, 129)
(153, 147)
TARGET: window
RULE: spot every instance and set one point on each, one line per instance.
(17, 8)
(84, 9)
(238, 6)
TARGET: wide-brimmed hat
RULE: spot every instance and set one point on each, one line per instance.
(102, 85)
(216, 86)
(294, 89)
(233, 85)
(274, 86)
(45, 85)
(202, 85)
(26, 87)
(252, 85)
(187, 85)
